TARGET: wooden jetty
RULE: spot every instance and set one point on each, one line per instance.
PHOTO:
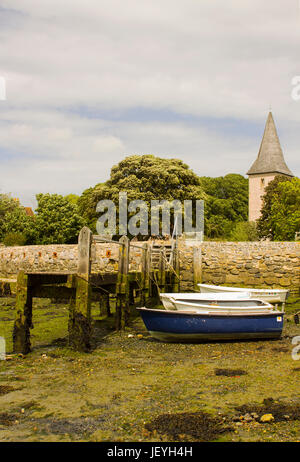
(159, 271)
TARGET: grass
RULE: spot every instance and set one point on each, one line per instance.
(133, 388)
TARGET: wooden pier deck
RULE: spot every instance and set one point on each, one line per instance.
(159, 271)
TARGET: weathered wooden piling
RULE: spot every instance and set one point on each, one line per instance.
(162, 270)
(104, 305)
(197, 267)
(122, 286)
(145, 274)
(80, 310)
(176, 267)
(23, 318)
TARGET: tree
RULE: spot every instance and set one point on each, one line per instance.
(281, 210)
(7, 204)
(264, 223)
(87, 205)
(244, 231)
(57, 220)
(226, 204)
(144, 178)
(14, 221)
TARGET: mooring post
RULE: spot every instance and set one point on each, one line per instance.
(145, 273)
(151, 270)
(162, 270)
(176, 267)
(122, 286)
(23, 318)
(80, 310)
(197, 267)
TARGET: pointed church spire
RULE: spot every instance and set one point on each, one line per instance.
(270, 157)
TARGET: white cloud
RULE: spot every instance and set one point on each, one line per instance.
(213, 60)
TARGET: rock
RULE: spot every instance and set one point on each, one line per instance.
(267, 418)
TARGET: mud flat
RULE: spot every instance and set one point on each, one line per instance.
(133, 388)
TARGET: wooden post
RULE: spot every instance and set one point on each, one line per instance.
(23, 319)
(145, 274)
(122, 287)
(197, 267)
(80, 330)
(176, 266)
(162, 270)
(151, 271)
(84, 252)
(105, 305)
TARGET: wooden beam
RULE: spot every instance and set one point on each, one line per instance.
(197, 267)
(80, 329)
(84, 252)
(122, 286)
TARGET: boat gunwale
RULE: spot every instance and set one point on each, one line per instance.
(243, 289)
(263, 303)
(223, 314)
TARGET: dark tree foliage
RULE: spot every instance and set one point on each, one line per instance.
(226, 204)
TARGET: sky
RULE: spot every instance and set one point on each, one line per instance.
(89, 82)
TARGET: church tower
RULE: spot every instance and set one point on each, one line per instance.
(269, 163)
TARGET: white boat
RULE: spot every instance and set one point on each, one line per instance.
(235, 306)
(268, 295)
(169, 305)
(218, 304)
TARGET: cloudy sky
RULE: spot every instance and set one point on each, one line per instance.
(91, 81)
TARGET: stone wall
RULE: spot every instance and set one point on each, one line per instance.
(257, 264)
(254, 264)
(63, 258)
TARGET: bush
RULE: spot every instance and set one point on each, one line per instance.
(244, 231)
(14, 239)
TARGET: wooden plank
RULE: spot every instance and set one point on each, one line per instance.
(54, 292)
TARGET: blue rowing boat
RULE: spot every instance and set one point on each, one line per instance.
(184, 326)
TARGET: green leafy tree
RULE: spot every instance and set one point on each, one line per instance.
(7, 204)
(14, 221)
(17, 221)
(144, 178)
(57, 220)
(87, 205)
(73, 198)
(226, 204)
(281, 209)
(244, 231)
(264, 223)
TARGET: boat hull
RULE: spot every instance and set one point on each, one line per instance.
(268, 295)
(175, 326)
